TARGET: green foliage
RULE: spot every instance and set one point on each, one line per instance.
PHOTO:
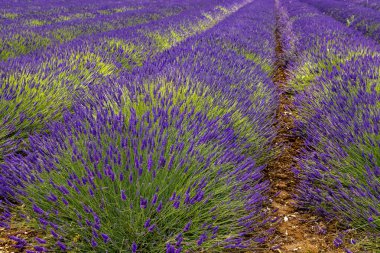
(21, 44)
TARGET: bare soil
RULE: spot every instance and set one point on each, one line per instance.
(296, 231)
(7, 245)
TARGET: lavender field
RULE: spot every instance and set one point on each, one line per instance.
(190, 126)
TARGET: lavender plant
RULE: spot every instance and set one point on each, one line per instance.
(363, 19)
(337, 102)
(169, 179)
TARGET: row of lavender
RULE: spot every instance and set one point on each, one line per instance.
(362, 18)
(373, 4)
(36, 87)
(166, 154)
(53, 78)
(26, 29)
(336, 80)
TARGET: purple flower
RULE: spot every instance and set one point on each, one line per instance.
(202, 239)
(38, 210)
(40, 249)
(105, 237)
(159, 207)
(123, 196)
(150, 163)
(170, 248)
(39, 240)
(187, 226)
(91, 192)
(52, 197)
(154, 199)
(147, 223)
(151, 228)
(176, 204)
(134, 247)
(65, 201)
(143, 203)
(53, 233)
(61, 245)
(94, 243)
(338, 241)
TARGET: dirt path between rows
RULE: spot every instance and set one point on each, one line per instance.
(296, 231)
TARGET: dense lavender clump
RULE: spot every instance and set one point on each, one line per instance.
(168, 178)
(340, 116)
(337, 78)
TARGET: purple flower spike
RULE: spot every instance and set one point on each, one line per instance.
(187, 227)
(61, 245)
(151, 228)
(53, 233)
(123, 195)
(154, 199)
(40, 249)
(176, 204)
(159, 207)
(38, 210)
(105, 237)
(39, 240)
(202, 239)
(147, 223)
(338, 241)
(143, 203)
(65, 201)
(94, 243)
(134, 247)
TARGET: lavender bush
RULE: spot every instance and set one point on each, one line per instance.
(150, 180)
(336, 78)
